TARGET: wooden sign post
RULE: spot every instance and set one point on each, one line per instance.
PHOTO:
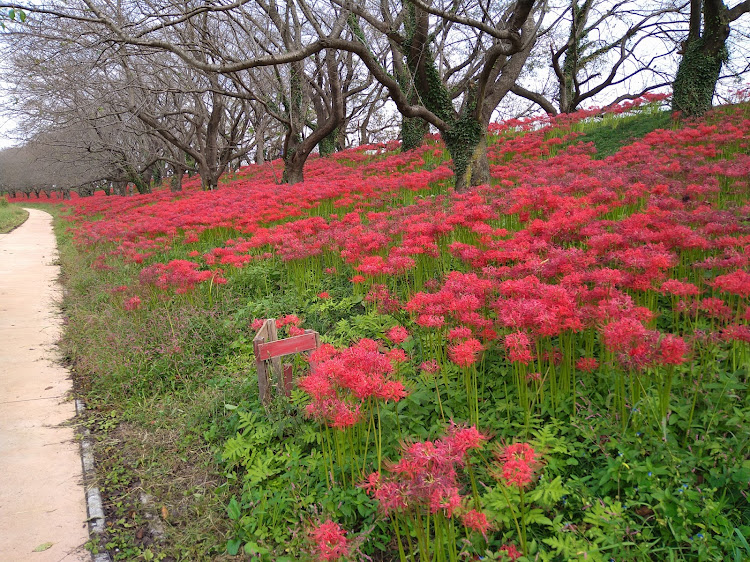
(268, 352)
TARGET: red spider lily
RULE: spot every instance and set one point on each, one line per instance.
(426, 476)
(519, 347)
(476, 520)
(540, 308)
(296, 331)
(510, 551)
(465, 353)
(587, 364)
(397, 334)
(329, 541)
(343, 379)
(630, 341)
(381, 297)
(517, 464)
(737, 283)
(673, 350)
(133, 303)
(736, 332)
(432, 367)
(679, 288)
(460, 333)
(287, 320)
(182, 274)
(715, 308)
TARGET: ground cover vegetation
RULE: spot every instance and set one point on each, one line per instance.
(11, 216)
(551, 366)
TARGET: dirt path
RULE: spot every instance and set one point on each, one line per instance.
(41, 491)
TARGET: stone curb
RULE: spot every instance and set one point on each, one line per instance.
(94, 506)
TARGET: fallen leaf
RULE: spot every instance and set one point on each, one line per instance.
(164, 513)
(42, 547)
(644, 511)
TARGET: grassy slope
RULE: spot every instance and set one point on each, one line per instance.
(155, 455)
(609, 137)
(164, 490)
(11, 216)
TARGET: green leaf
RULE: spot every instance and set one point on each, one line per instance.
(233, 546)
(233, 510)
(42, 547)
(743, 540)
(254, 548)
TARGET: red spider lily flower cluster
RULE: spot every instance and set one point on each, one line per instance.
(342, 380)
(292, 324)
(510, 551)
(133, 303)
(737, 283)
(329, 541)
(637, 347)
(518, 463)
(426, 477)
(397, 334)
(587, 364)
(430, 367)
(465, 353)
(184, 275)
(476, 521)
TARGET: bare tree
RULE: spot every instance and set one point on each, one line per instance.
(456, 94)
(606, 45)
(497, 38)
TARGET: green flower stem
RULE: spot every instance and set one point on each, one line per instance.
(521, 536)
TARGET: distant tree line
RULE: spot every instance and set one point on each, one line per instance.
(133, 92)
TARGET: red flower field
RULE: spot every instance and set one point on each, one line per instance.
(573, 291)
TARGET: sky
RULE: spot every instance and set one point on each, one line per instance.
(6, 136)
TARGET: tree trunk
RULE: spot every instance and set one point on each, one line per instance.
(142, 181)
(695, 82)
(260, 142)
(704, 54)
(466, 141)
(293, 168)
(327, 146)
(120, 187)
(175, 182)
(413, 131)
(208, 181)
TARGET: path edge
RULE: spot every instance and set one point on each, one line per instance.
(94, 506)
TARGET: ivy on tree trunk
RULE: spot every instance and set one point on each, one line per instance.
(694, 85)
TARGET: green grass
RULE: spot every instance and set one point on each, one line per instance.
(157, 441)
(610, 137)
(11, 216)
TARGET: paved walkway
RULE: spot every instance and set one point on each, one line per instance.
(42, 502)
